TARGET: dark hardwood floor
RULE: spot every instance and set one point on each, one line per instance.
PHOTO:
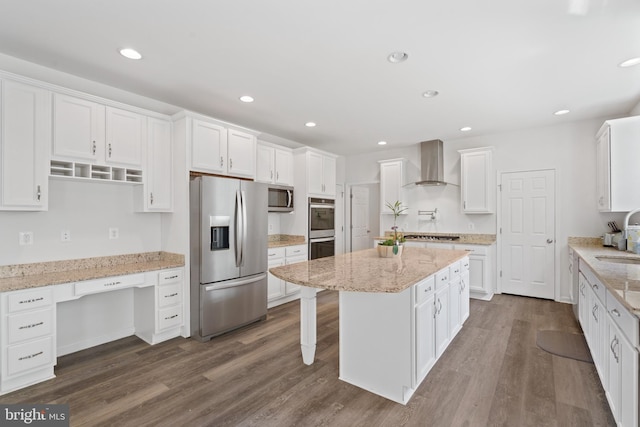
(492, 374)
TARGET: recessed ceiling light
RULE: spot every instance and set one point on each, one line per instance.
(430, 93)
(246, 98)
(397, 57)
(465, 129)
(561, 112)
(382, 142)
(130, 53)
(310, 124)
(630, 62)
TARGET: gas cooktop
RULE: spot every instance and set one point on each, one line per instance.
(430, 238)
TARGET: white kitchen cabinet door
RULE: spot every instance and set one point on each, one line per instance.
(265, 167)
(158, 185)
(78, 128)
(455, 300)
(25, 141)
(476, 186)
(283, 167)
(125, 137)
(329, 175)
(208, 147)
(583, 305)
(442, 333)
(617, 172)
(464, 293)
(275, 286)
(425, 338)
(241, 150)
(391, 181)
(315, 170)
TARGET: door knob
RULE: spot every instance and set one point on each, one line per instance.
(549, 240)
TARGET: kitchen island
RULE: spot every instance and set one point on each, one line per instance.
(397, 315)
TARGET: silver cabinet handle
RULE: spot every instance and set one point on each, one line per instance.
(221, 161)
(549, 240)
(277, 175)
(33, 325)
(171, 295)
(230, 163)
(31, 356)
(151, 197)
(38, 193)
(614, 343)
(595, 286)
(616, 312)
(109, 150)
(93, 149)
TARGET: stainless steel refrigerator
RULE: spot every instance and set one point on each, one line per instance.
(228, 254)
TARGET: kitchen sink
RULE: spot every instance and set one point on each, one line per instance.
(617, 259)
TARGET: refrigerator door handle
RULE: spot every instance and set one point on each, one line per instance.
(239, 229)
(244, 227)
(234, 283)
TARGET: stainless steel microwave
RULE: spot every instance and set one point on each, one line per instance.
(280, 198)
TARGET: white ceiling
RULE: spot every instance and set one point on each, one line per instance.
(499, 65)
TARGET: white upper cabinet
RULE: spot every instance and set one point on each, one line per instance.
(274, 164)
(25, 140)
(86, 131)
(125, 136)
(78, 128)
(241, 148)
(391, 182)
(208, 147)
(476, 186)
(216, 149)
(617, 171)
(321, 174)
(156, 195)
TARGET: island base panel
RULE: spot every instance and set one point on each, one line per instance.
(376, 344)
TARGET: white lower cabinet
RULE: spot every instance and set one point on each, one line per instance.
(280, 291)
(27, 352)
(390, 341)
(35, 330)
(612, 335)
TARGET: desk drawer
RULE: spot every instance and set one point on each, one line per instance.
(26, 300)
(169, 294)
(169, 317)
(108, 284)
(29, 325)
(30, 355)
(170, 276)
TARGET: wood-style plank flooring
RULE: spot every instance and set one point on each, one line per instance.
(492, 374)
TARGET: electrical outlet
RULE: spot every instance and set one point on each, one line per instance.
(25, 238)
(65, 236)
(471, 226)
(113, 233)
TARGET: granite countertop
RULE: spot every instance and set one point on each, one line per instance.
(24, 276)
(281, 240)
(613, 275)
(365, 271)
(465, 239)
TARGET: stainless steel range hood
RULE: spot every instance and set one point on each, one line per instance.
(432, 167)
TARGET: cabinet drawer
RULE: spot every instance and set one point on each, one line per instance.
(30, 324)
(598, 288)
(170, 276)
(454, 270)
(168, 317)
(275, 253)
(26, 300)
(300, 250)
(30, 355)
(464, 264)
(442, 278)
(169, 294)
(627, 322)
(425, 289)
(108, 284)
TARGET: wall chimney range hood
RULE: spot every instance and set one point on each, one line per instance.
(432, 165)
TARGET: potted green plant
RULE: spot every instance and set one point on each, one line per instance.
(393, 247)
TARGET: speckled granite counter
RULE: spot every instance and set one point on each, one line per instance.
(365, 271)
(24, 276)
(280, 240)
(464, 239)
(612, 275)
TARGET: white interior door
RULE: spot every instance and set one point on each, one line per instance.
(360, 229)
(527, 232)
(339, 219)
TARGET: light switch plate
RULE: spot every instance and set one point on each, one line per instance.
(113, 233)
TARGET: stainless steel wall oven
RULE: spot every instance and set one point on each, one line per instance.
(321, 227)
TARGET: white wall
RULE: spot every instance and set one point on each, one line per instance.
(568, 148)
(88, 210)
